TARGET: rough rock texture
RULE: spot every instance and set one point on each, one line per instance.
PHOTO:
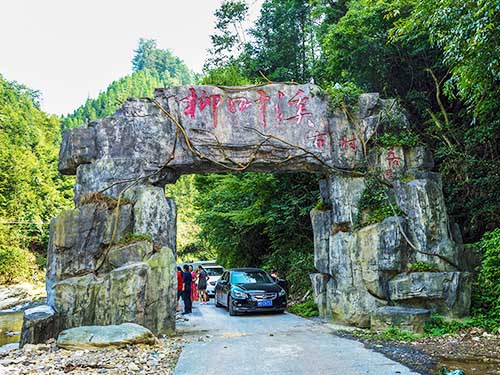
(96, 277)
(138, 292)
(40, 324)
(422, 202)
(104, 337)
(319, 283)
(408, 319)
(345, 193)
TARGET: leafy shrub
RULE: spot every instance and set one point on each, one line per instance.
(305, 309)
(486, 294)
(438, 325)
(15, 264)
(404, 138)
(346, 94)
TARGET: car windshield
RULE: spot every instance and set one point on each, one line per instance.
(215, 271)
(250, 277)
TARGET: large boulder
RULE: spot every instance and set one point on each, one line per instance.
(319, 283)
(154, 215)
(104, 337)
(141, 292)
(129, 253)
(383, 253)
(446, 293)
(78, 239)
(40, 324)
(348, 299)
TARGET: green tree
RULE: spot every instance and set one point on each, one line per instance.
(31, 189)
(284, 47)
(260, 219)
(229, 37)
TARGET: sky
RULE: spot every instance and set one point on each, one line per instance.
(71, 50)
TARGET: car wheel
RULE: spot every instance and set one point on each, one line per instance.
(280, 311)
(230, 307)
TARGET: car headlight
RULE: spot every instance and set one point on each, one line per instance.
(213, 282)
(239, 294)
(282, 293)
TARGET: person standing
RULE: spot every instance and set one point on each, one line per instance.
(179, 287)
(194, 289)
(187, 279)
(202, 285)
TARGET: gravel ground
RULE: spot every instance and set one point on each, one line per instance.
(48, 360)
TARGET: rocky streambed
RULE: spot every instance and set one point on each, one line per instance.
(47, 359)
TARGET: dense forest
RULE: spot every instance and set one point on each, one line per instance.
(440, 59)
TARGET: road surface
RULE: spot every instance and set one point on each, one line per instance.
(271, 344)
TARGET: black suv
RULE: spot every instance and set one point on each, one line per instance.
(248, 290)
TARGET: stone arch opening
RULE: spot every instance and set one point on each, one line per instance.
(112, 258)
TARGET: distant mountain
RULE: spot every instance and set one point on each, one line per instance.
(152, 68)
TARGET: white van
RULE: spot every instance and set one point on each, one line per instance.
(214, 272)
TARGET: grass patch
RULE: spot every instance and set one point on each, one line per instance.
(390, 334)
(422, 267)
(130, 237)
(322, 206)
(306, 309)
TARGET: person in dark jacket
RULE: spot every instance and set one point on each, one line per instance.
(186, 289)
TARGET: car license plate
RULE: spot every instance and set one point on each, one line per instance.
(265, 303)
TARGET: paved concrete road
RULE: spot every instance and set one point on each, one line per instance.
(262, 344)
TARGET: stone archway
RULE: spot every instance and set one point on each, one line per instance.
(112, 258)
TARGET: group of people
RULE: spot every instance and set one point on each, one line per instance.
(191, 286)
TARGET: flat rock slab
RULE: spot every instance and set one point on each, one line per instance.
(100, 337)
(406, 318)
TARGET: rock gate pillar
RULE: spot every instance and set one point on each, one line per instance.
(112, 258)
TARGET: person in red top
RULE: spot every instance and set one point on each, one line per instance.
(179, 286)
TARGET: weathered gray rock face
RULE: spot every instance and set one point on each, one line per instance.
(321, 220)
(367, 265)
(345, 193)
(96, 277)
(422, 202)
(102, 271)
(383, 253)
(104, 337)
(319, 283)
